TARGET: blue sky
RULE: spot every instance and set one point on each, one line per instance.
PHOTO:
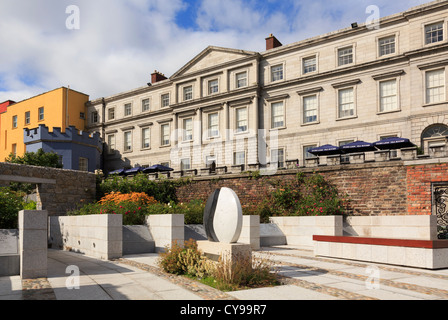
(120, 43)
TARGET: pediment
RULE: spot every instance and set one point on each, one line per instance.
(212, 57)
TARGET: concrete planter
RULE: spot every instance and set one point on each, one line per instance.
(299, 231)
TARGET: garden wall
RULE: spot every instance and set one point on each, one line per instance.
(376, 188)
(58, 190)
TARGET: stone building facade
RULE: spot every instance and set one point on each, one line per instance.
(230, 107)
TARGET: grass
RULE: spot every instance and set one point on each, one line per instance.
(240, 273)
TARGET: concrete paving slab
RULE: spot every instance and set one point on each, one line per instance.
(287, 292)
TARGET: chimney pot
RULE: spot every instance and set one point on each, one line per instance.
(156, 76)
(272, 42)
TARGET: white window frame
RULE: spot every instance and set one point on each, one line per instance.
(185, 164)
(315, 64)
(111, 143)
(428, 88)
(240, 121)
(213, 87)
(245, 78)
(128, 109)
(281, 161)
(146, 141)
(338, 97)
(187, 133)
(275, 74)
(164, 100)
(213, 129)
(187, 95)
(146, 107)
(283, 115)
(163, 135)
(94, 117)
(127, 145)
(111, 113)
(426, 31)
(27, 117)
(237, 156)
(385, 45)
(15, 122)
(41, 114)
(381, 97)
(340, 56)
(304, 122)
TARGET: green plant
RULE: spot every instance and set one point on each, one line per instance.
(11, 202)
(39, 159)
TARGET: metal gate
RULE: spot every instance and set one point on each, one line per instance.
(440, 208)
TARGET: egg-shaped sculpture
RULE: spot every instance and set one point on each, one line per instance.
(223, 216)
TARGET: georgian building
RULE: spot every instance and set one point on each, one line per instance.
(234, 107)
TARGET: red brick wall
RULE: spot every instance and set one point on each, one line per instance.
(375, 189)
(419, 182)
(389, 188)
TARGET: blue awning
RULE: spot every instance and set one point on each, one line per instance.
(325, 150)
(157, 168)
(134, 170)
(358, 146)
(119, 172)
(393, 143)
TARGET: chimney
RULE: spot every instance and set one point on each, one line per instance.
(156, 76)
(272, 42)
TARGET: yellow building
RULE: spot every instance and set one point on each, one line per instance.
(60, 108)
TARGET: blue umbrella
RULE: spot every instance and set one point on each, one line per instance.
(119, 172)
(393, 143)
(134, 170)
(358, 146)
(325, 150)
(157, 168)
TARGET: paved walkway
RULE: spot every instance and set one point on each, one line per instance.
(304, 277)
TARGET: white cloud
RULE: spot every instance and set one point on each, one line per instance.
(120, 43)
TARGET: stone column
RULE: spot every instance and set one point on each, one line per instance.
(33, 244)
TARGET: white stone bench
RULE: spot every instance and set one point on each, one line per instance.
(426, 254)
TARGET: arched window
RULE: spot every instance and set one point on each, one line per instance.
(434, 134)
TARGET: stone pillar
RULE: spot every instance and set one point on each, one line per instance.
(33, 244)
(166, 229)
(250, 234)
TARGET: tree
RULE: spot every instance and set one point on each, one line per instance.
(39, 159)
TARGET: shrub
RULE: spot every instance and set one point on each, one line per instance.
(241, 272)
(39, 159)
(11, 202)
(309, 195)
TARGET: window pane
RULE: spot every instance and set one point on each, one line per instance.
(346, 103)
(434, 33)
(278, 120)
(213, 87)
(310, 109)
(165, 100)
(388, 95)
(277, 73)
(213, 125)
(127, 109)
(278, 156)
(165, 132)
(145, 105)
(435, 86)
(188, 129)
(185, 164)
(239, 158)
(309, 65)
(14, 121)
(241, 120)
(145, 138)
(387, 45)
(241, 80)
(111, 143)
(41, 115)
(188, 93)
(306, 154)
(127, 141)
(345, 56)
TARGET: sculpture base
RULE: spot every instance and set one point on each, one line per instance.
(216, 250)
